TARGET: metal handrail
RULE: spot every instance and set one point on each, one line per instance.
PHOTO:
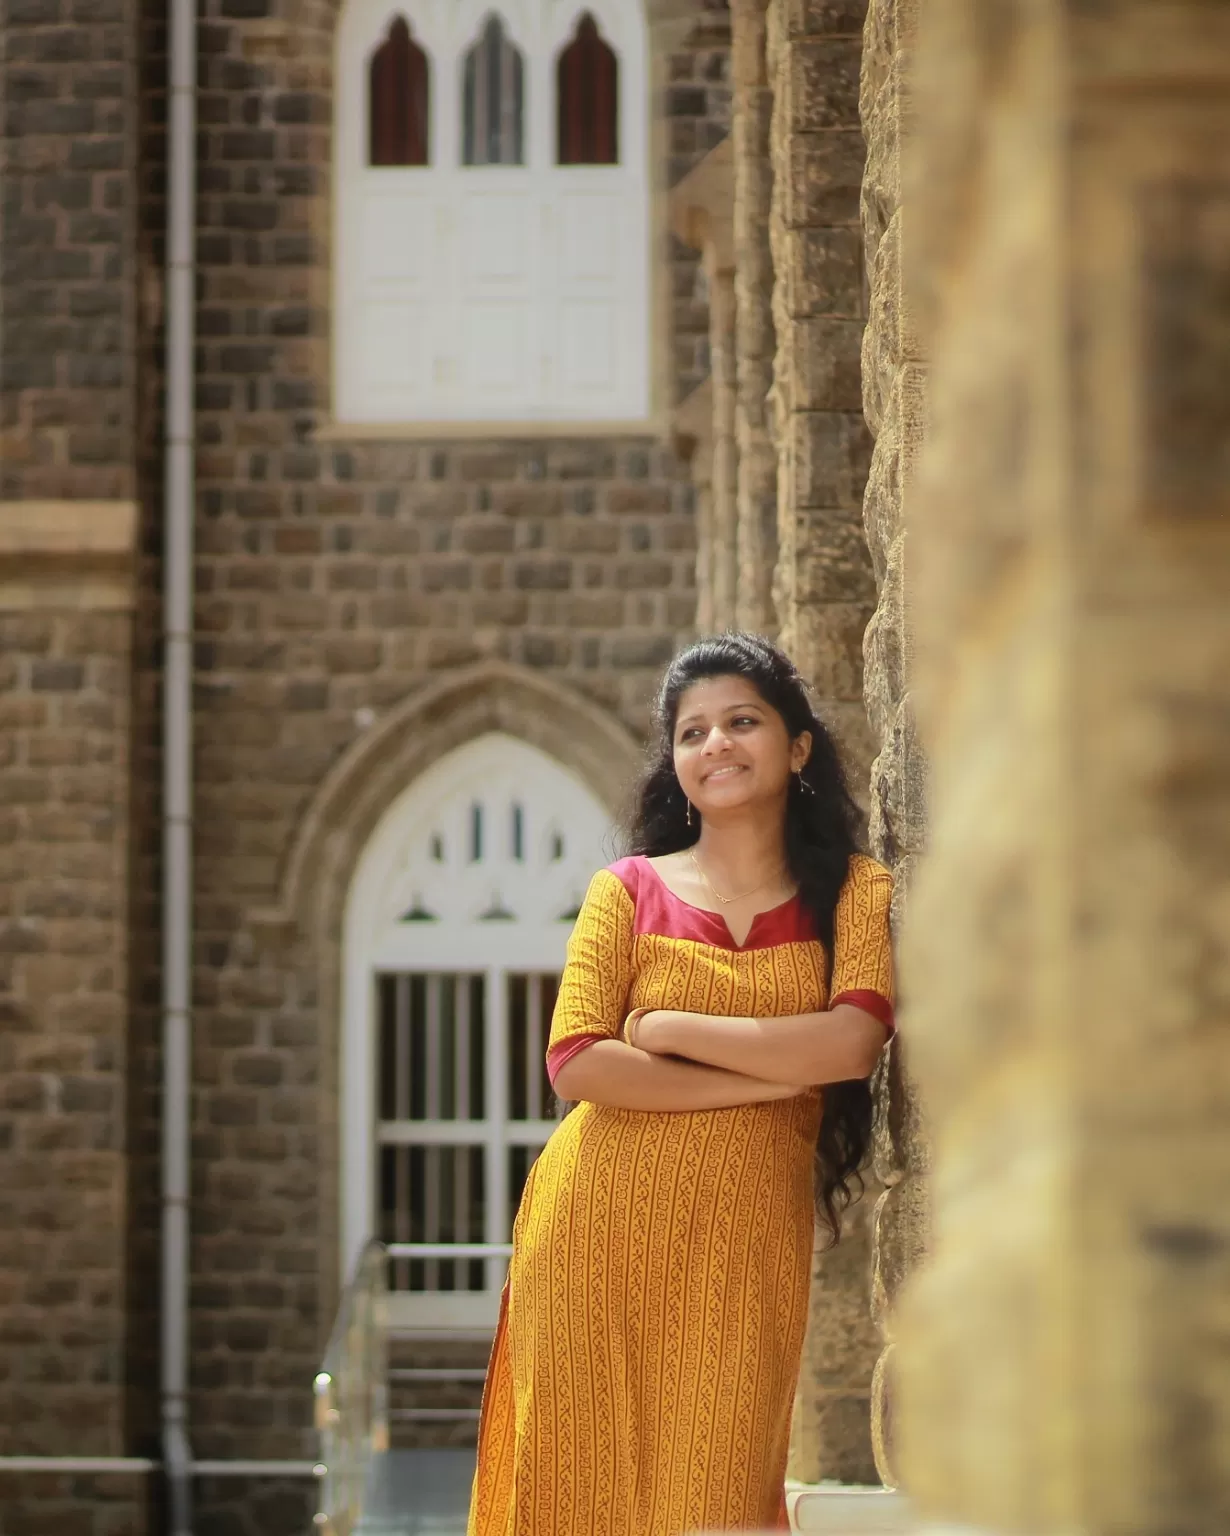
(351, 1391)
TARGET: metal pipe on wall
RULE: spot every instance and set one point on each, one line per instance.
(178, 519)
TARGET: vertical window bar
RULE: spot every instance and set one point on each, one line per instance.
(550, 989)
(494, 1181)
(401, 1209)
(432, 1170)
(533, 1039)
(461, 1055)
(401, 1054)
(461, 1202)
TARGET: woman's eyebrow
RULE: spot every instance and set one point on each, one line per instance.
(732, 709)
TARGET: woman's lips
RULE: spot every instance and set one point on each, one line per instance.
(727, 771)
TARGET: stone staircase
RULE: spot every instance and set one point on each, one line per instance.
(436, 1388)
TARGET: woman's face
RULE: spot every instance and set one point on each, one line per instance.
(731, 749)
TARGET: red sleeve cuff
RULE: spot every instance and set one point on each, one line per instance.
(874, 1003)
(565, 1051)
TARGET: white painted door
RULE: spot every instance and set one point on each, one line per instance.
(456, 931)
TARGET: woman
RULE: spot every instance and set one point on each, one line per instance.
(645, 1362)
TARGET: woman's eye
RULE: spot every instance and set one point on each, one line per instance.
(743, 720)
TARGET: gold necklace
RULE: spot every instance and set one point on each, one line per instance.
(729, 900)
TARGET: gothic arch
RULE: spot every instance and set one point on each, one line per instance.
(300, 937)
(435, 719)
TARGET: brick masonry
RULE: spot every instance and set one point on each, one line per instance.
(68, 274)
(334, 578)
(823, 586)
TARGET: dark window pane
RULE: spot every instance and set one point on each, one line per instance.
(493, 91)
(588, 90)
(398, 95)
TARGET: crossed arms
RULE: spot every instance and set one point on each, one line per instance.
(725, 1061)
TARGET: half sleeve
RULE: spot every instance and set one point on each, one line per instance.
(863, 942)
(593, 992)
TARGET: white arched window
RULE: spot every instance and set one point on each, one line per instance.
(491, 205)
(456, 927)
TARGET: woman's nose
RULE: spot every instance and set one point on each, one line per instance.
(717, 740)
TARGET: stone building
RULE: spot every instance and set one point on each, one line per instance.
(425, 630)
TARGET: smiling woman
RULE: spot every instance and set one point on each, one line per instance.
(728, 988)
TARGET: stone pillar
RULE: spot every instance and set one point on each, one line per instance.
(692, 425)
(823, 583)
(893, 404)
(725, 515)
(701, 216)
(754, 340)
(66, 594)
(1062, 1353)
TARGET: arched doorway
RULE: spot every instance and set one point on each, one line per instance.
(455, 930)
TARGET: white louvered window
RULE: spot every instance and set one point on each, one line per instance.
(491, 213)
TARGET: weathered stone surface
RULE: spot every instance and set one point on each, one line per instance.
(1053, 1361)
(831, 1430)
(754, 333)
(893, 385)
(64, 1002)
(823, 272)
(822, 173)
(828, 455)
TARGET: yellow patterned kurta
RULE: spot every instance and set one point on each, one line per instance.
(644, 1367)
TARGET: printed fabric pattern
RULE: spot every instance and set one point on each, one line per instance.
(643, 1371)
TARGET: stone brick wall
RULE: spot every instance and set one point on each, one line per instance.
(65, 682)
(76, 1504)
(67, 270)
(692, 57)
(337, 577)
(754, 336)
(63, 826)
(823, 584)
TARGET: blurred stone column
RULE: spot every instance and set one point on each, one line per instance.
(1062, 1355)
(701, 207)
(894, 378)
(823, 584)
(754, 339)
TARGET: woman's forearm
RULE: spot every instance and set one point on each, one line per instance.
(620, 1076)
(804, 1048)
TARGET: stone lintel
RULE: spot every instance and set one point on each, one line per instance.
(67, 554)
(702, 208)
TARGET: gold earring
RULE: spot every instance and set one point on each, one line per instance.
(691, 815)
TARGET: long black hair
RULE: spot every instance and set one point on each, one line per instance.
(823, 823)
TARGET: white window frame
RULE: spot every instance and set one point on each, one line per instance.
(541, 29)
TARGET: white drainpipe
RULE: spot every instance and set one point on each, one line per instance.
(179, 493)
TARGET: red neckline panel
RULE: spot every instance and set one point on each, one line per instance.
(660, 912)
